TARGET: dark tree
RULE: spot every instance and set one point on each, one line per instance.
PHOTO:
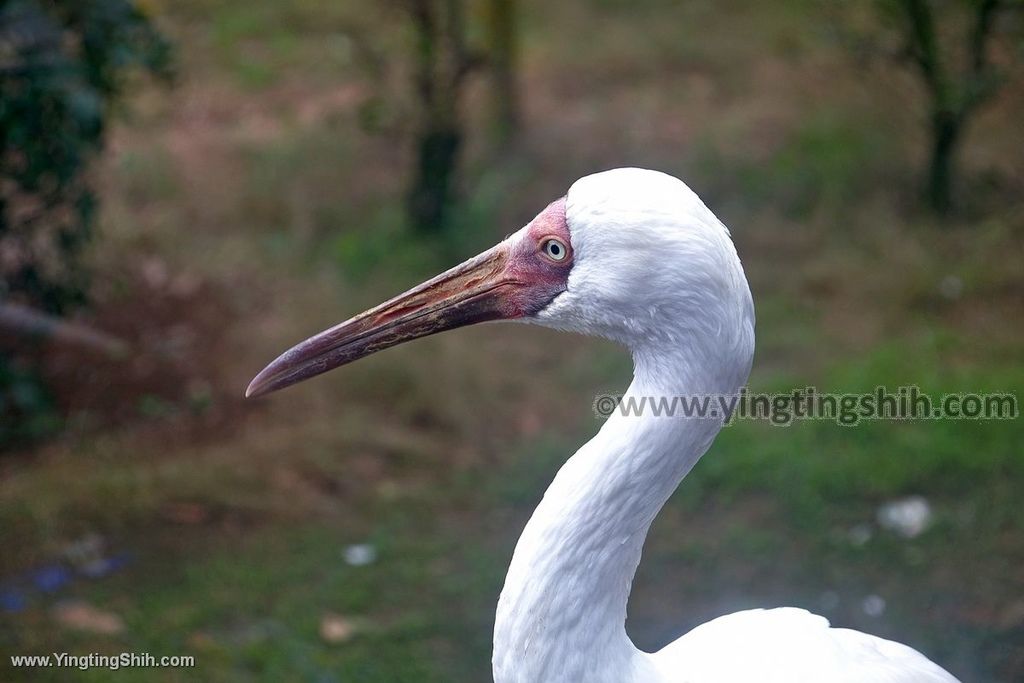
(950, 46)
(442, 63)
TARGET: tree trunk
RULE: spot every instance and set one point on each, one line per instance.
(504, 55)
(443, 62)
(946, 128)
(437, 154)
(955, 94)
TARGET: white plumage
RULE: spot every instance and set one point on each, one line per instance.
(788, 645)
(656, 271)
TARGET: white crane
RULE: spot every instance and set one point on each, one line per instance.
(634, 256)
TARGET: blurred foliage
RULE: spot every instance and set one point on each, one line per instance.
(826, 157)
(64, 64)
(26, 410)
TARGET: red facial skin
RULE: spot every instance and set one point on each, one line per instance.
(510, 281)
(542, 278)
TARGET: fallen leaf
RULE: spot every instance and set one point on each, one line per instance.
(85, 617)
(185, 513)
(335, 628)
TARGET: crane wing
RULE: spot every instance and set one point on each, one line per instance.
(789, 645)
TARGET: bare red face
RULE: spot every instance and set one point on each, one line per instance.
(514, 279)
(541, 260)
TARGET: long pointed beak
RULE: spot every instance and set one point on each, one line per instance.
(481, 289)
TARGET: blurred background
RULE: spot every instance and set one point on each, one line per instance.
(189, 187)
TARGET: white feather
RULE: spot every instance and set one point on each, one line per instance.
(656, 271)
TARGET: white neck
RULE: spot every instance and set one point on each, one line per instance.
(561, 616)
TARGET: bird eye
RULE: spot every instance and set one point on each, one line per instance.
(554, 249)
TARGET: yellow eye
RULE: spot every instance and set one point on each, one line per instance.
(554, 249)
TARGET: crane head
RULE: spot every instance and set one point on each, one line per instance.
(628, 254)
(516, 278)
